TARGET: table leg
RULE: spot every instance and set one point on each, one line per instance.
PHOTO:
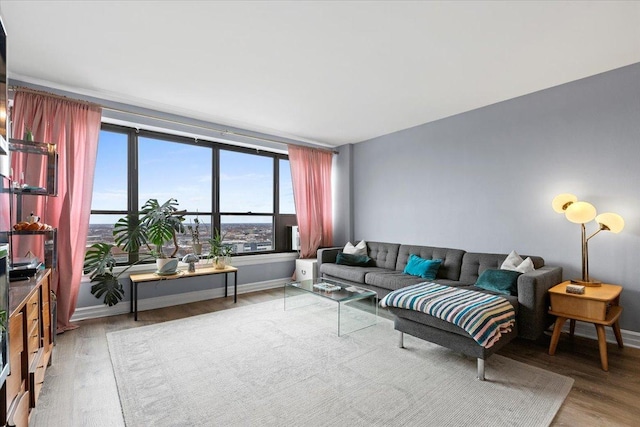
(556, 335)
(602, 343)
(131, 295)
(225, 284)
(135, 302)
(572, 327)
(616, 331)
(235, 286)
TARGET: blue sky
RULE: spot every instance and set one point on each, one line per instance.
(184, 172)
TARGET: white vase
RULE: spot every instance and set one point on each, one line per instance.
(197, 248)
(166, 265)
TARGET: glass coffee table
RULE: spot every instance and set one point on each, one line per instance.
(357, 307)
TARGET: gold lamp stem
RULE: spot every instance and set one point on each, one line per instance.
(586, 280)
(585, 255)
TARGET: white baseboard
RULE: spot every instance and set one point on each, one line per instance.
(123, 307)
(587, 330)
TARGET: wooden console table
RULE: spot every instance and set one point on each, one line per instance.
(135, 279)
(598, 305)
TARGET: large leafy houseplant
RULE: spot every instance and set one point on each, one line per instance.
(157, 225)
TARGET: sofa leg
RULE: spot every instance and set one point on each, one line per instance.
(481, 369)
(401, 342)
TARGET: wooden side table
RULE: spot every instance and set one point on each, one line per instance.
(598, 305)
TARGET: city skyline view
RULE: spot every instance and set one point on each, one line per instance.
(242, 237)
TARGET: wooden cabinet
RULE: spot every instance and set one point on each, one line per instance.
(30, 347)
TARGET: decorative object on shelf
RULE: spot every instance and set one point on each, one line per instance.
(581, 213)
(33, 218)
(194, 230)
(191, 259)
(219, 252)
(158, 224)
(28, 135)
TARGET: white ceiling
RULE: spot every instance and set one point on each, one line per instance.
(324, 72)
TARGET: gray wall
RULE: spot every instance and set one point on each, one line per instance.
(484, 180)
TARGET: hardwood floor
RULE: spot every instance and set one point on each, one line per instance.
(80, 389)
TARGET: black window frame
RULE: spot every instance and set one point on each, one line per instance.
(281, 222)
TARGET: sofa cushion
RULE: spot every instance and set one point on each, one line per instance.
(473, 264)
(353, 260)
(501, 281)
(426, 319)
(391, 279)
(384, 254)
(425, 268)
(345, 272)
(451, 259)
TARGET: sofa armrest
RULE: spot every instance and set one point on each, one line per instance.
(327, 255)
(533, 299)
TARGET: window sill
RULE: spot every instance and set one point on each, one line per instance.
(238, 261)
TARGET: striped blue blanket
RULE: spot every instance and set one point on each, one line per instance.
(485, 317)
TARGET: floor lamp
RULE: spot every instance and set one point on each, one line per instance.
(582, 213)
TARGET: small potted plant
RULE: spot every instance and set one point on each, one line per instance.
(194, 230)
(219, 252)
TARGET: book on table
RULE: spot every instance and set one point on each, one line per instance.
(328, 287)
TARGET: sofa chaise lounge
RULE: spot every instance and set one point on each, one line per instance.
(459, 269)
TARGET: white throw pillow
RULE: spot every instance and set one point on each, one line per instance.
(514, 262)
(526, 266)
(359, 249)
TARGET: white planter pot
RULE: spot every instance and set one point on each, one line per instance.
(219, 263)
(166, 265)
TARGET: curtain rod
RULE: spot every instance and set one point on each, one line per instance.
(210, 128)
(53, 95)
(149, 116)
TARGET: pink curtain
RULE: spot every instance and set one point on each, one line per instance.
(74, 126)
(311, 176)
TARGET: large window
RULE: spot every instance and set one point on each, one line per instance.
(245, 194)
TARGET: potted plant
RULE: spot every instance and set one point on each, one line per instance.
(157, 225)
(219, 252)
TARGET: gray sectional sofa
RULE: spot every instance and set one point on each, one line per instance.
(459, 269)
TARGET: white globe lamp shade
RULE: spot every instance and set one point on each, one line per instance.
(580, 212)
(611, 222)
(562, 201)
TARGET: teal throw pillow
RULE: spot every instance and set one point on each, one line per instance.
(425, 268)
(502, 281)
(353, 260)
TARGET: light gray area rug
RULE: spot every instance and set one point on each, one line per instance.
(260, 365)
